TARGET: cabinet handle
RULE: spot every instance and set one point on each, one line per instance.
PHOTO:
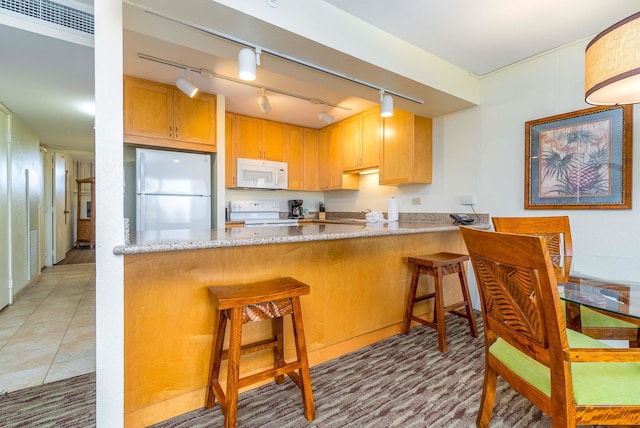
(170, 134)
(176, 132)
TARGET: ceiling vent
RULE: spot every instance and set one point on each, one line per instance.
(54, 13)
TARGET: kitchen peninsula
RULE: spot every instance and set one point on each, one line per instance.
(357, 273)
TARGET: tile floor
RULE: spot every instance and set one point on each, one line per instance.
(48, 334)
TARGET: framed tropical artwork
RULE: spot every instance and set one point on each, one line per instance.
(579, 160)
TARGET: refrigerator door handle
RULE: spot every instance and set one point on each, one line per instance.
(142, 212)
(141, 173)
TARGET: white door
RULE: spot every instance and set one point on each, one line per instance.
(5, 162)
(60, 211)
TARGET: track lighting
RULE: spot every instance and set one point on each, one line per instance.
(186, 86)
(325, 117)
(386, 104)
(263, 103)
(247, 61)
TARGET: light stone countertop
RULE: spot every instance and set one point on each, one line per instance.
(179, 240)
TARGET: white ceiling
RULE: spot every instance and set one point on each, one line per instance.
(43, 79)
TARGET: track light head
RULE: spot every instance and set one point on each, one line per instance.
(386, 104)
(324, 116)
(263, 103)
(186, 86)
(247, 59)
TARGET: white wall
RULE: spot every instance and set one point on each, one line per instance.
(545, 86)
(24, 155)
(109, 218)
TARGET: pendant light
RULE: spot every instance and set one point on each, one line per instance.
(263, 103)
(386, 104)
(186, 86)
(612, 64)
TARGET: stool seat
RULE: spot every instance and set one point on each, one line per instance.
(242, 303)
(437, 266)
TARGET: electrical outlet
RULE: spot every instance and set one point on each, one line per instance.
(415, 201)
(469, 200)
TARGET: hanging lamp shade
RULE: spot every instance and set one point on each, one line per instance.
(612, 64)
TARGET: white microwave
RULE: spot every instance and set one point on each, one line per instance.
(262, 174)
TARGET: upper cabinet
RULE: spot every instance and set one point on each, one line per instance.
(330, 172)
(160, 115)
(406, 153)
(295, 156)
(256, 138)
(361, 140)
(310, 162)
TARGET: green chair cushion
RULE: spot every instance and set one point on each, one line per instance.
(591, 318)
(593, 383)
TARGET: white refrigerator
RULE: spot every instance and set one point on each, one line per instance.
(173, 190)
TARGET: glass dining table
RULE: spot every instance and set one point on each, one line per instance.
(608, 284)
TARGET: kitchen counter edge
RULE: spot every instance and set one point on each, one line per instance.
(181, 240)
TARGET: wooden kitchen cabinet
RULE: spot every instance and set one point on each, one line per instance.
(256, 138)
(295, 156)
(246, 134)
(311, 165)
(160, 115)
(330, 173)
(406, 153)
(361, 136)
(230, 165)
(274, 143)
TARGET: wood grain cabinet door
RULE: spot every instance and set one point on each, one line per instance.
(148, 109)
(195, 118)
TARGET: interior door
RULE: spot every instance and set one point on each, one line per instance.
(4, 209)
(60, 212)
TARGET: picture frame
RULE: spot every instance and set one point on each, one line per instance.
(579, 160)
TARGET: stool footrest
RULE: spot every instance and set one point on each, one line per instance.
(455, 306)
(424, 321)
(253, 347)
(424, 297)
(267, 374)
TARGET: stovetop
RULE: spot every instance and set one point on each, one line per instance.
(258, 213)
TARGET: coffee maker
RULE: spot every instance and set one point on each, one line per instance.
(295, 208)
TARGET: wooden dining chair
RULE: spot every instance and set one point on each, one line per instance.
(575, 379)
(557, 232)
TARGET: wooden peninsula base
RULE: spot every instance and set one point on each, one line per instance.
(358, 294)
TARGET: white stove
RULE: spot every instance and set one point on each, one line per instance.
(258, 213)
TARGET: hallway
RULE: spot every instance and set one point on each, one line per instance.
(48, 334)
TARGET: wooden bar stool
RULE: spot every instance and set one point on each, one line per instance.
(438, 265)
(243, 303)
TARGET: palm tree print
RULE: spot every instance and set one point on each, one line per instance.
(575, 160)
